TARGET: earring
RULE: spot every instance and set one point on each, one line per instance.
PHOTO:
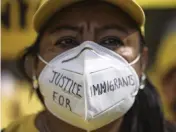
(142, 83)
(35, 82)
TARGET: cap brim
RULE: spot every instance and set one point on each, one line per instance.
(48, 8)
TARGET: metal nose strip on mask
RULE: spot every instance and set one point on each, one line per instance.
(86, 48)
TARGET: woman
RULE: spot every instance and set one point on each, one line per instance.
(87, 66)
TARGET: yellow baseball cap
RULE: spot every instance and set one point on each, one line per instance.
(49, 7)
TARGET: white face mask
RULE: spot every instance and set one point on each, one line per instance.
(89, 86)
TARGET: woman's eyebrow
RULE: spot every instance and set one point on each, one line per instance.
(65, 27)
(112, 27)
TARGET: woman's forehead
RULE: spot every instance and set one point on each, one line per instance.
(98, 13)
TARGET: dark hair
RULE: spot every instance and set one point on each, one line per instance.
(146, 114)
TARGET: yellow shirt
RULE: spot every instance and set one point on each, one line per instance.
(25, 124)
(18, 104)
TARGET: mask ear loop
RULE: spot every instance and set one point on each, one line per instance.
(40, 58)
(44, 61)
(34, 78)
(135, 60)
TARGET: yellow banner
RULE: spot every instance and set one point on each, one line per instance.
(16, 26)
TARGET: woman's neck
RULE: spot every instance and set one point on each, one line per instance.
(53, 124)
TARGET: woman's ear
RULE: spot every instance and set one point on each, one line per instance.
(30, 66)
(144, 59)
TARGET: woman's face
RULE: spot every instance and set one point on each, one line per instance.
(91, 21)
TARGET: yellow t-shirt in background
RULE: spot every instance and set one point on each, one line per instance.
(19, 104)
(25, 124)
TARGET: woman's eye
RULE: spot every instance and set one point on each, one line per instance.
(111, 42)
(67, 42)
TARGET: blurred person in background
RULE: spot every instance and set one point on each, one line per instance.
(87, 66)
(16, 100)
(10, 106)
(163, 74)
(16, 33)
